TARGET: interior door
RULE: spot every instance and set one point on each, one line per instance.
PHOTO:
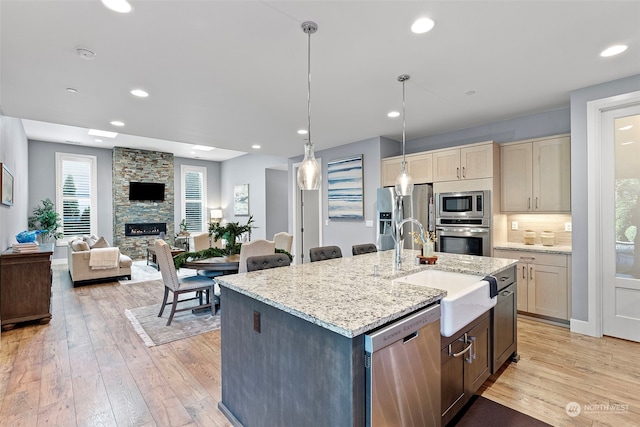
(621, 223)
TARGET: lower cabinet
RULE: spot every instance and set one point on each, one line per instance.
(466, 362)
(543, 282)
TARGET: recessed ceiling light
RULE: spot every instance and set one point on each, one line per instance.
(625, 127)
(85, 53)
(627, 143)
(422, 25)
(97, 140)
(102, 133)
(255, 146)
(203, 147)
(117, 123)
(120, 6)
(393, 114)
(302, 132)
(613, 50)
(139, 93)
(470, 92)
(72, 90)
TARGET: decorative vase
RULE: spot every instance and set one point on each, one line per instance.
(547, 238)
(529, 237)
(428, 249)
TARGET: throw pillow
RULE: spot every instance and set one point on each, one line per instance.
(90, 240)
(78, 245)
(101, 243)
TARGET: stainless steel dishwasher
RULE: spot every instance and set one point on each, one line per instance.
(402, 361)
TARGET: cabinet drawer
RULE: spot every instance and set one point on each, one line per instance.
(506, 277)
(556, 260)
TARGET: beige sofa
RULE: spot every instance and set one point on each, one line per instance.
(106, 264)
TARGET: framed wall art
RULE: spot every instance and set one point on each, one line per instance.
(241, 200)
(345, 188)
(7, 186)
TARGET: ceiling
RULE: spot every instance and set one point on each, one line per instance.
(231, 74)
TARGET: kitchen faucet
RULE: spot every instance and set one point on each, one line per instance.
(398, 235)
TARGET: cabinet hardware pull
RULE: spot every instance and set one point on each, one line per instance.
(467, 348)
(464, 172)
(529, 207)
(472, 353)
(507, 293)
(536, 203)
(458, 173)
(530, 272)
(502, 279)
(524, 272)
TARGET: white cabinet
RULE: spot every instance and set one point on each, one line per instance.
(536, 175)
(543, 282)
(419, 167)
(469, 162)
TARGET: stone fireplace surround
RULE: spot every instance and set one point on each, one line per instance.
(142, 166)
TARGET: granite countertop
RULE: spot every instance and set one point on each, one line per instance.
(512, 246)
(344, 296)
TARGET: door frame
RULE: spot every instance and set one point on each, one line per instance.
(595, 167)
(295, 191)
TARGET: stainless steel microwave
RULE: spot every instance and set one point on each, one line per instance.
(464, 206)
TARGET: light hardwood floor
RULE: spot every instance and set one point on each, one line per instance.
(88, 367)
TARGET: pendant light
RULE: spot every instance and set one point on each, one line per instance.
(404, 182)
(309, 171)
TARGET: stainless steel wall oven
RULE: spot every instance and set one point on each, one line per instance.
(463, 223)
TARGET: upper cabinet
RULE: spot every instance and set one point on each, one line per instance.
(536, 175)
(469, 162)
(419, 167)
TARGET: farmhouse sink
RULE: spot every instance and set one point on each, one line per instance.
(467, 296)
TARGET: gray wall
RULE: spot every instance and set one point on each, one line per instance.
(579, 195)
(345, 233)
(248, 169)
(14, 155)
(42, 181)
(277, 211)
(213, 186)
(552, 122)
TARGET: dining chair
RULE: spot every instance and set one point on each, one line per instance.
(263, 262)
(322, 253)
(365, 248)
(254, 248)
(202, 286)
(200, 242)
(283, 240)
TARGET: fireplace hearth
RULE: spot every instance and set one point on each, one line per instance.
(145, 229)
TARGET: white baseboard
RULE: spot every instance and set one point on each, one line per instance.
(584, 328)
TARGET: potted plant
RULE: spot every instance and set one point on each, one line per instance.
(45, 218)
(229, 232)
(183, 228)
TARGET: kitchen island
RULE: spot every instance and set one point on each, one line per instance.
(293, 337)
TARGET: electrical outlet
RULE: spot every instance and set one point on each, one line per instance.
(567, 226)
(514, 225)
(256, 321)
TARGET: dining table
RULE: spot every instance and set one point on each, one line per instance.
(224, 264)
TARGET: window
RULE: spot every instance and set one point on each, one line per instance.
(76, 195)
(194, 199)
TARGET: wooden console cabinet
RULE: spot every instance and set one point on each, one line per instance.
(25, 286)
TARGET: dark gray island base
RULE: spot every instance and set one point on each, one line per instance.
(291, 373)
(293, 347)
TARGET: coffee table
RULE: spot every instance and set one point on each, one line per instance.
(151, 255)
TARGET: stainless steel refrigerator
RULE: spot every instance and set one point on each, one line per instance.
(419, 206)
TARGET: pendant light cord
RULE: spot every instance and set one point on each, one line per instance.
(309, 88)
(404, 158)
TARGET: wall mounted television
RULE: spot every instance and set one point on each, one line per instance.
(152, 191)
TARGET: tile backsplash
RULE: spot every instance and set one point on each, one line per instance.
(539, 223)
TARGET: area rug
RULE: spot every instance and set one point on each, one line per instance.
(481, 412)
(141, 272)
(154, 330)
